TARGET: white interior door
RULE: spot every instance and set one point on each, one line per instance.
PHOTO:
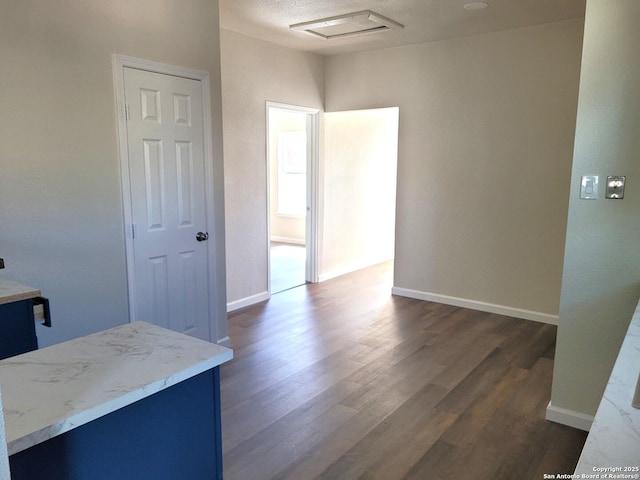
(166, 170)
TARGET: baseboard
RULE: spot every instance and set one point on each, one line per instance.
(292, 241)
(247, 301)
(225, 342)
(323, 277)
(571, 418)
(475, 305)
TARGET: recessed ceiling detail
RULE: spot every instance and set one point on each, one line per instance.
(424, 20)
(476, 5)
(348, 25)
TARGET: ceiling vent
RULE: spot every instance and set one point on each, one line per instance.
(349, 25)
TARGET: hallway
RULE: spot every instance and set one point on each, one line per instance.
(342, 380)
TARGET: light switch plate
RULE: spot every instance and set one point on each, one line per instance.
(589, 187)
(615, 187)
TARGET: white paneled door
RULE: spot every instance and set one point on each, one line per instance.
(166, 173)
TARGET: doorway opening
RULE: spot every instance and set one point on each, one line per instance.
(359, 177)
(292, 139)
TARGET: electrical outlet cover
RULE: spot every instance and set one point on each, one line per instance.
(589, 187)
(615, 187)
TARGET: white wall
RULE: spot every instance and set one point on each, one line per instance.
(254, 72)
(283, 227)
(61, 220)
(486, 136)
(359, 193)
(601, 281)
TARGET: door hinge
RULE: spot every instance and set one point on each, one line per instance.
(126, 112)
(133, 230)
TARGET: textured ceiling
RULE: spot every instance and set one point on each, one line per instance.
(424, 20)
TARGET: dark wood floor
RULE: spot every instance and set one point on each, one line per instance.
(341, 380)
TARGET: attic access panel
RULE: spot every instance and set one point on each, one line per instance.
(350, 24)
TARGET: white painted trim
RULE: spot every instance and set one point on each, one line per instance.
(349, 269)
(568, 417)
(476, 305)
(225, 342)
(313, 188)
(292, 241)
(119, 63)
(288, 107)
(336, 273)
(247, 301)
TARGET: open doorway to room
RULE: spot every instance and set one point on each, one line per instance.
(359, 177)
(292, 160)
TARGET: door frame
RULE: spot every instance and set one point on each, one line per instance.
(119, 63)
(313, 161)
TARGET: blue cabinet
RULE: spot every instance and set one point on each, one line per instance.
(135, 402)
(17, 328)
(174, 434)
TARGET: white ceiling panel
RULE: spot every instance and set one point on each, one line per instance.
(423, 20)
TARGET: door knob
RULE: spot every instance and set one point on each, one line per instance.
(202, 236)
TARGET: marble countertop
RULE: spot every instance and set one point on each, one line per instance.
(4, 458)
(614, 438)
(11, 291)
(53, 390)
